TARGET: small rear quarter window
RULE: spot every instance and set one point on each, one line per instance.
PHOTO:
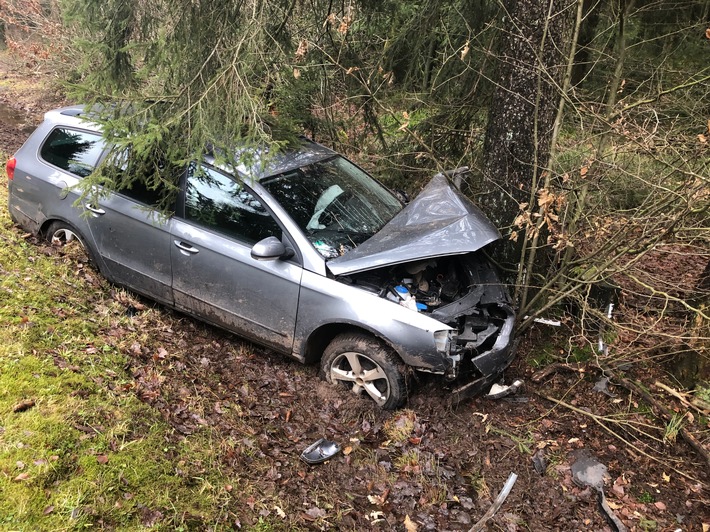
(73, 151)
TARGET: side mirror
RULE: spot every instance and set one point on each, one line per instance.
(270, 248)
(401, 195)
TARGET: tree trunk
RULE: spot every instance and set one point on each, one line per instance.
(522, 114)
(624, 8)
(587, 32)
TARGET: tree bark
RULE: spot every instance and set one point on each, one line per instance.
(522, 114)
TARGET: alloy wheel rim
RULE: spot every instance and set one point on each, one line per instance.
(363, 375)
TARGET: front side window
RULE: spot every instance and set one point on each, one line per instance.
(76, 152)
(337, 205)
(219, 202)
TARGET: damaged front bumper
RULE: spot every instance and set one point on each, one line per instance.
(479, 369)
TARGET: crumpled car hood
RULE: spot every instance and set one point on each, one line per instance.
(439, 221)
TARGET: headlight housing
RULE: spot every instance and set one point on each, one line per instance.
(443, 340)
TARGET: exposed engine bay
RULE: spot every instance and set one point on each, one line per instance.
(462, 291)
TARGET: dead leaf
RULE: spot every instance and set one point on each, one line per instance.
(707, 35)
(48, 510)
(23, 405)
(102, 459)
(22, 476)
(315, 513)
(409, 525)
(702, 139)
(583, 171)
(280, 512)
(347, 450)
(666, 478)
(661, 506)
(465, 50)
(302, 50)
(297, 73)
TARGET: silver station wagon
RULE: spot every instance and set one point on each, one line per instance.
(309, 256)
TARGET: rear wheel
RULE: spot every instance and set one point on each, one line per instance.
(62, 234)
(364, 364)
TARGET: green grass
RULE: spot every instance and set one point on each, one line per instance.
(87, 453)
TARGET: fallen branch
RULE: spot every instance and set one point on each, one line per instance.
(666, 413)
(502, 496)
(598, 419)
(681, 398)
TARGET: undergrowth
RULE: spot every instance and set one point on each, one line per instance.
(78, 449)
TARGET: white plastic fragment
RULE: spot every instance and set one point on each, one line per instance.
(502, 496)
(498, 391)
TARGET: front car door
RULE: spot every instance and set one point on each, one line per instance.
(214, 275)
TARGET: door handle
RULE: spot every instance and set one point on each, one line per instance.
(186, 249)
(96, 211)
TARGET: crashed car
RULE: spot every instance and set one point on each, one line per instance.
(308, 255)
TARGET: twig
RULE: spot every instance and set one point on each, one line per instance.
(496, 504)
(681, 398)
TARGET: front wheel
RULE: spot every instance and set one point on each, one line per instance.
(365, 364)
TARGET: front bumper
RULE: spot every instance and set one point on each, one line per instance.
(490, 364)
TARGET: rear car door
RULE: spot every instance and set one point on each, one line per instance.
(214, 275)
(133, 240)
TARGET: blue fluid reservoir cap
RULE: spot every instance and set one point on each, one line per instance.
(402, 289)
(421, 306)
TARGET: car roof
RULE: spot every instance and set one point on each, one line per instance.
(304, 152)
(73, 115)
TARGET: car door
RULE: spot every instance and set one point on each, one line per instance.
(133, 240)
(214, 275)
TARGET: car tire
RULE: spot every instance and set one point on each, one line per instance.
(61, 234)
(365, 364)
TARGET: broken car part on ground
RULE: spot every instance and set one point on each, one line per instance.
(306, 254)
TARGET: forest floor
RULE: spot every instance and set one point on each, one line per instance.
(430, 466)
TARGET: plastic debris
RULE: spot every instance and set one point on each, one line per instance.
(588, 471)
(498, 391)
(320, 451)
(502, 496)
(602, 386)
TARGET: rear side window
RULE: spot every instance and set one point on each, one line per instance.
(76, 152)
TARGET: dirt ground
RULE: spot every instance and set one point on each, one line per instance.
(431, 466)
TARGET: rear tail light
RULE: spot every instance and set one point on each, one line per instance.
(10, 168)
